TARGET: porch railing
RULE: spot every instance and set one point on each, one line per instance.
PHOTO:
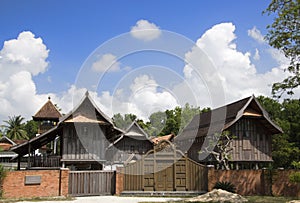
(45, 161)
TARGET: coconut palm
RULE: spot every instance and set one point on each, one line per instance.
(15, 128)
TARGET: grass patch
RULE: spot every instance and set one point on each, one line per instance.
(269, 199)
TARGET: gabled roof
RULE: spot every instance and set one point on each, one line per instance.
(135, 130)
(210, 122)
(47, 112)
(86, 112)
(5, 139)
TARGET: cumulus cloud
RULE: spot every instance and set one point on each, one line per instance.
(106, 63)
(20, 59)
(23, 58)
(238, 74)
(256, 34)
(146, 31)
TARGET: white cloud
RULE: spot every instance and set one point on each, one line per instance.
(24, 53)
(238, 74)
(278, 56)
(256, 55)
(106, 63)
(144, 30)
(23, 58)
(20, 59)
(256, 34)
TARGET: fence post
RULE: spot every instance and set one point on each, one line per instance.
(119, 180)
(211, 177)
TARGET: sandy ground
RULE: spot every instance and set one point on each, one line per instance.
(111, 199)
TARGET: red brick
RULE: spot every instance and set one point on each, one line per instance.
(14, 184)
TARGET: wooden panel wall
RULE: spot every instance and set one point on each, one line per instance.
(85, 142)
(252, 143)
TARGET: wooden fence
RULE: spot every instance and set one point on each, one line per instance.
(166, 170)
(83, 183)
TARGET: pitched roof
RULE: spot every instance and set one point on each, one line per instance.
(86, 111)
(135, 130)
(223, 117)
(6, 140)
(47, 112)
(6, 143)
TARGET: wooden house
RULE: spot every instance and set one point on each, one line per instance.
(246, 121)
(130, 146)
(83, 136)
(5, 154)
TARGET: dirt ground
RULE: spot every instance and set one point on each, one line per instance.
(111, 199)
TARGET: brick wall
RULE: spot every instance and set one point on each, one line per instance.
(50, 185)
(119, 181)
(255, 182)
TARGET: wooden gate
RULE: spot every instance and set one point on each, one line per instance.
(84, 183)
(165, 169)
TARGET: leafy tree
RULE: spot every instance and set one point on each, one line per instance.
(187, 114)
(171, 120)
(123, 122)
(295, 176)
(291, 114)
(31, 128)
(15, 128)
(286, 146)
(157, 123)
(284, 34)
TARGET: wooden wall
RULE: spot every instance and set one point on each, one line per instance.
(252, 142)
(83, 143)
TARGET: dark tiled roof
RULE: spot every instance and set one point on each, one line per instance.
(135, 130)
(221, 118)
(48, 111)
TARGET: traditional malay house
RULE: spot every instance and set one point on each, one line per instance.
(245, 120)
(130, 146)
(83, 134)
(5, 154)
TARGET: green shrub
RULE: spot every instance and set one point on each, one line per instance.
(295, 177)
(224, 185)
(2, 176)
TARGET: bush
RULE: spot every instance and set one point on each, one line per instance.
(2, 176)
(295, 177)
(224, 185)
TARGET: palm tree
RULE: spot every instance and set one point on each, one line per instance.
(15, 128)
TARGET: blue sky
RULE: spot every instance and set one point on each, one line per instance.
(72, 30)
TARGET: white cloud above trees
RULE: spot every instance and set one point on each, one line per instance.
(23, 58)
